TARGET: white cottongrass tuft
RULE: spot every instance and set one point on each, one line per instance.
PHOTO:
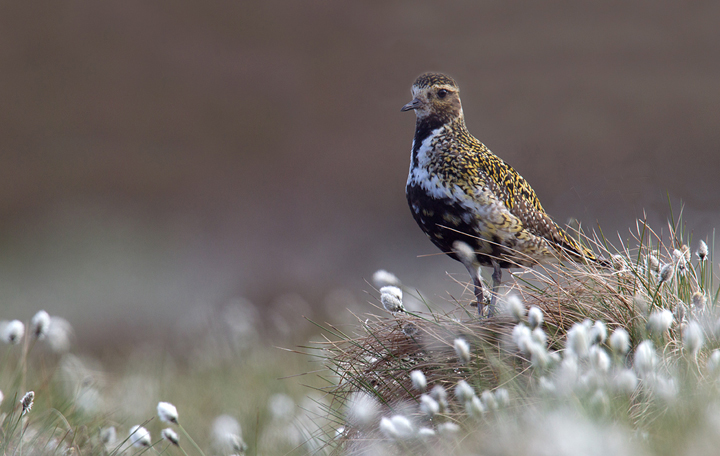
(599, 359)
(620, 341)
(698, 301)
(463, 391)
(702, 251)
(171, 436)
(429, 406)
(488, 400)
(227, 435)
(440, 395)
(12, 331)
(666, 272)
(391, 298)
(108, 435)
(167, 412)
(645, 358)
(578, 341)
(59, 334)
(462, 350)
(625, 381)
(516, 308)
(281, 406)
(2, 397)
(39, 325)
(598, 333)
(539, 337)
(535, 317)
(397, 428)
(659, 321)
(502, 396)
(425, 433)
(448, 428)
(464, 252)
(363, 409)
(522, 337)
(27, 402)
(713, 363)
(139, 437)
(382, 278)
(475, 407)
(419, 381)
(693, 338)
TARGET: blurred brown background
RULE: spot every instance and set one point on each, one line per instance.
(162, 158)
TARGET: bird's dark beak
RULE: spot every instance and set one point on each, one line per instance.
(415, 104)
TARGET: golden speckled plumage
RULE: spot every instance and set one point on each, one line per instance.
(458, 190)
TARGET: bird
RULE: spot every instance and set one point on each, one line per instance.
(470, 203)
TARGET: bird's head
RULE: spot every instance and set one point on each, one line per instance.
(435, 95)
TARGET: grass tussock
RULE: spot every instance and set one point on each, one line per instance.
(623, 358)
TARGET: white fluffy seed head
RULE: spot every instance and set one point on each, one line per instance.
(516, 308)
(653, 263)
(522, 337)
(429, 406)
(539, 337)
(462, 350)
(698, 301)
(425, 433)
(666, 272)
(502, 396)
(418, 380)
(448, 428)
(167, 412)
(488, 400)
(620, 341)
(713, 363)
(702, 251)
(39, 325)
(139, 437)
(475, 407)
(625, 382)
(578, 340)
(391, 298)
(463, 391)
(12, 331)
(598, 333)
(693, 338)
(438, 393)
(171, 436)
(108, 435)
(464, 252)
(397, 428)
(382, 278)
(363, 409)
(227, 434)
(645, 358)
(535, 317)
(27, 402)
(660, 321)
(599, 359)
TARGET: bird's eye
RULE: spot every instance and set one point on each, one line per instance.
(442, 93)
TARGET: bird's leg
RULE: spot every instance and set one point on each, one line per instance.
(497, 277)
(479, 291)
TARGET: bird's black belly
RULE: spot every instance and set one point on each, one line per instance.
(444, 221)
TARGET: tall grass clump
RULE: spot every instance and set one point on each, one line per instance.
(584, 359)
